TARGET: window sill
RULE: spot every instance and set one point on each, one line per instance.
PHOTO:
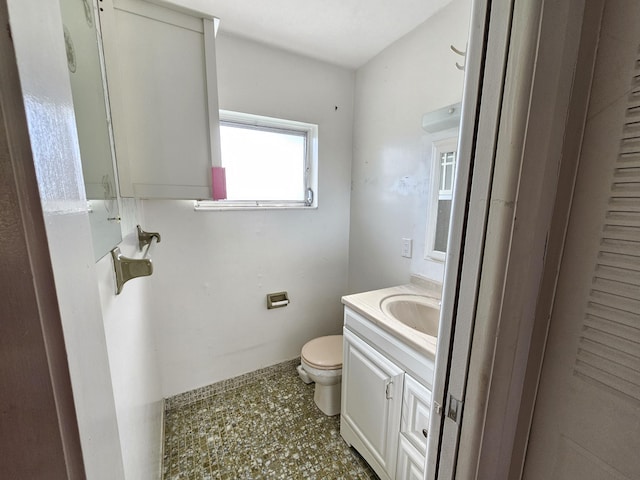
(436, 256)
(221, 205)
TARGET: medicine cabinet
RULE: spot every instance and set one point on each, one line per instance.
(83, 49)
(161, 74)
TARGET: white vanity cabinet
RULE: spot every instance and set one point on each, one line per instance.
(371, 403)
(416, 408)
(410, 463)
(412, 446)
(161, 76)
(386, 399)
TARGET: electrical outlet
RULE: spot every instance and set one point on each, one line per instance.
(407, 247)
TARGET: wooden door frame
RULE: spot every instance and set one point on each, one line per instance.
(40, 435)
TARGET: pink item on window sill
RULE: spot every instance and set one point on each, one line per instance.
(218, 183)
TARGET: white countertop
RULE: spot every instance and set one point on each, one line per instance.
(368, 304)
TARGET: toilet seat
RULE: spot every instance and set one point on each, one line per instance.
(323, 353)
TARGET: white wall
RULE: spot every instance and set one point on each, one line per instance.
(36, 29)
(214, 269)
(392, 154)
(109, 340)
(130, 334)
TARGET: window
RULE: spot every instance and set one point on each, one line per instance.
(267, 163)
(443, 175)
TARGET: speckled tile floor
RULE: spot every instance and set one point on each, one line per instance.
(263, 425)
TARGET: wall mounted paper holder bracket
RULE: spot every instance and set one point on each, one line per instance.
(127, 268)
(277, 300)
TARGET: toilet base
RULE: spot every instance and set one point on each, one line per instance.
(303, 375)
(327, 398)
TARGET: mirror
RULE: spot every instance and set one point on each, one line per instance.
(84, 59)
(443, 169)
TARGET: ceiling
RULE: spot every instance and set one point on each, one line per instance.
(343, 32)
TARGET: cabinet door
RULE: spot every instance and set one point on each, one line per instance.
(410, 462)
(161, 76)
(371, 403)
(416, 408)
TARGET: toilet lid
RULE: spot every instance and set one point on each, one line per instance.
(324, 352)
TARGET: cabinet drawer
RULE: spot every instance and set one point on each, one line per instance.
(416, 409)
(410, 464)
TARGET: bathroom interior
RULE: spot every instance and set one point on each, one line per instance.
(197, 323)
(202, 316)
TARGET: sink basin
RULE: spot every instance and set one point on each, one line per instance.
(415, 311)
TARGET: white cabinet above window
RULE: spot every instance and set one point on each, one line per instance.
(161, 76)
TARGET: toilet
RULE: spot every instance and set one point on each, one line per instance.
(321, 362)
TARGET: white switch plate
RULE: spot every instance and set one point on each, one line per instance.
(407, 247)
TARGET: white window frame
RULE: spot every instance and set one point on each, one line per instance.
(309, 130)
(439, 147)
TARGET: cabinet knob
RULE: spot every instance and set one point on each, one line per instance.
(425, 432)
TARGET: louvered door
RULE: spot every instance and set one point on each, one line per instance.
(587, 419)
